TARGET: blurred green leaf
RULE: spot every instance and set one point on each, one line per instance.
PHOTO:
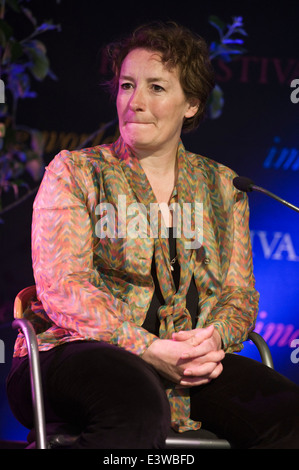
(5, 32)
(37, 54)
(217, 23)
(14, 4)
(215, 103)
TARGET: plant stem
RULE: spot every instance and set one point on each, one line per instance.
(2, 11)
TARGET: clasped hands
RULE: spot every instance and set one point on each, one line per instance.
(190, 358)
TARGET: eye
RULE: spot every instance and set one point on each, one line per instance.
(157, 88)
(126, 86)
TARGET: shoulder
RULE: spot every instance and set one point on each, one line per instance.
(83, 158)
(211, 166)
(76, 172)
(218, 177)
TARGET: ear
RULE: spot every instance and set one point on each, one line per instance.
(192, 109)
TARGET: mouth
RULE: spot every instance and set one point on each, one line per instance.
(137, 122)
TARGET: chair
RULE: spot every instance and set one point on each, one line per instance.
(42, 438)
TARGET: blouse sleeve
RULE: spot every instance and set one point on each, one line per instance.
(235, 312)
(68, 285)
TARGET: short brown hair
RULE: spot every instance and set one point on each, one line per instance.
(179, 47)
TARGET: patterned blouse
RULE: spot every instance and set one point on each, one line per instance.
(95, 231)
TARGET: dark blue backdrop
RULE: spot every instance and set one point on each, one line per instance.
(257, 135)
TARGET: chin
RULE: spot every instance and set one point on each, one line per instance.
(138, 143)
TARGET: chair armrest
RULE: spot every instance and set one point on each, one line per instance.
(35, 379)
(262, 347)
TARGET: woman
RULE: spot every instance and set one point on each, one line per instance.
(139, 309)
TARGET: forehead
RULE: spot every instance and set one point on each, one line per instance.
(147, 61)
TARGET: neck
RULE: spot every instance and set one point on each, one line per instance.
(160, 163)
(161, 173)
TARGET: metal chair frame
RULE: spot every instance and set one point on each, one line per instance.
(190, 439)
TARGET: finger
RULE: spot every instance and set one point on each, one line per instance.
(188, 383)
(217, 371)
(208, 355)
(195, 336)
(207, 369)
(183, 335)
(194, 381)
(201, 380)
(201, 335)
(202, 351)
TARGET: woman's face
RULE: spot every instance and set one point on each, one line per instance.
(151, 104)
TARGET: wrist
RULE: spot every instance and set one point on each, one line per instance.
(149, 353)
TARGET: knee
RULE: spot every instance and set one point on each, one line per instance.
(137, 412)
(146, 404)
(283, 430)
(153, 401)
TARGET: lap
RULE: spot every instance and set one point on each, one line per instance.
(85, 377)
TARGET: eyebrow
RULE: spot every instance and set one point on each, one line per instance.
(149, 80)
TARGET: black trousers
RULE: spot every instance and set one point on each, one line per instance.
(117, 401)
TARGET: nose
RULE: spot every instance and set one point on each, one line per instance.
(137, 101)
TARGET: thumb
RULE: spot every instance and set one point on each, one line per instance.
(201, 334)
